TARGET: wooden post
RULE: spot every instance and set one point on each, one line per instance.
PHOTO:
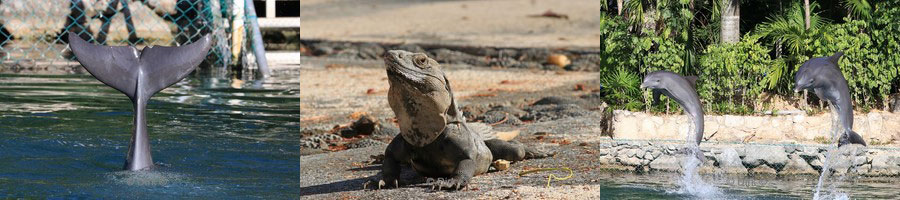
(270, 9)
(237, 29)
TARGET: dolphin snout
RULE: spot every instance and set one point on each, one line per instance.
(643, 86)
(797, 89)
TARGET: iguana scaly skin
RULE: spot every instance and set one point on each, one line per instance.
(434, 136)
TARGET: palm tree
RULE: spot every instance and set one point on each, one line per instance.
(806, 12)
(731, 20)
(793, 29)
(858, 8)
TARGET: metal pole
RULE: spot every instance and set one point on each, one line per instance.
(258, 48)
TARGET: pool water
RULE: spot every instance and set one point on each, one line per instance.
(67, 136)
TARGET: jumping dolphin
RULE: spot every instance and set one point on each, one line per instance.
(682, 90)
(825, 79)
(139, 75)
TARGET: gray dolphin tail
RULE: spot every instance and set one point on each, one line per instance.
(698, 132)
(139, 75)
(851, 138)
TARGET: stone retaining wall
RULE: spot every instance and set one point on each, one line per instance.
(877, 128)
(752, 159)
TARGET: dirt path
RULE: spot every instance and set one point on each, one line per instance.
(502, 23)
(332, 93)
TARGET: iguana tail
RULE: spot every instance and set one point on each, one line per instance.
(488, 133)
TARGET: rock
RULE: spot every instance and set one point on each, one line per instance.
(534, 55)
(895, 104)
(322, 48)
(509, 109)
(411, 48)
(630, 161)
(797, 166)
(541, 113)
(456, 57)
(730, 162)
(884, 164)
(557, 100)
(503, 62)
(365, 142)
(370, 51)
(508, 53)
(763, 170)
(559, 60)
(666, 163)
(774, 156)
(365, 125)
(500, 165)
(528, 65)
(506, 115)
(607, 159)
(581, 65)
(388, 130)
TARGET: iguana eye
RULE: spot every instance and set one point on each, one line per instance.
(420, 61)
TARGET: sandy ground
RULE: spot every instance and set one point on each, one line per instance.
(334, 92)
(501, 23)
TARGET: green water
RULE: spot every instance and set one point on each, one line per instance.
(67, 136)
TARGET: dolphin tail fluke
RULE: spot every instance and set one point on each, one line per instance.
(120, 67)
(139, 75)
(851, 138)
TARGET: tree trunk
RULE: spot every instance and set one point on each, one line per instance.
(806, 12)
(731, 21)
(619, 6)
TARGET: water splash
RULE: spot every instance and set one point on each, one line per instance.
(691, 183)
(827, 171)
(146, 178)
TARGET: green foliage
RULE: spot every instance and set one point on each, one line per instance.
(623, 89)
(858, 8)
(886, 36)
(734, 75)
(789, 29)
(862, 64)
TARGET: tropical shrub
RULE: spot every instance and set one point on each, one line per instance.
(863, 65)
(735, 74)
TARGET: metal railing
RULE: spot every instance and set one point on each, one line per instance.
(32, 32)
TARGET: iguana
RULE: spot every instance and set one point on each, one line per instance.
(434, 136)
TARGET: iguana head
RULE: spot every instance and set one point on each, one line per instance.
(420, 96)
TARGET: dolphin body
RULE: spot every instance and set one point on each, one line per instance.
(825, 79)
(139, 75)
(682, 89)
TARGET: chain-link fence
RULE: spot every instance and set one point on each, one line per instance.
(33, 31)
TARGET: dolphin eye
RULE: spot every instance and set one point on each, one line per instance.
(657, 80)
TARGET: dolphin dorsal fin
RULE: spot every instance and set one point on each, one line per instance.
(837, 56)
(692, 80)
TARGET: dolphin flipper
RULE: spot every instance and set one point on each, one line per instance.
(139, 75)
(852, 138)
(656, 93)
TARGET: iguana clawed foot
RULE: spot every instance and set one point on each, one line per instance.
(450, 184)
(383, 183)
